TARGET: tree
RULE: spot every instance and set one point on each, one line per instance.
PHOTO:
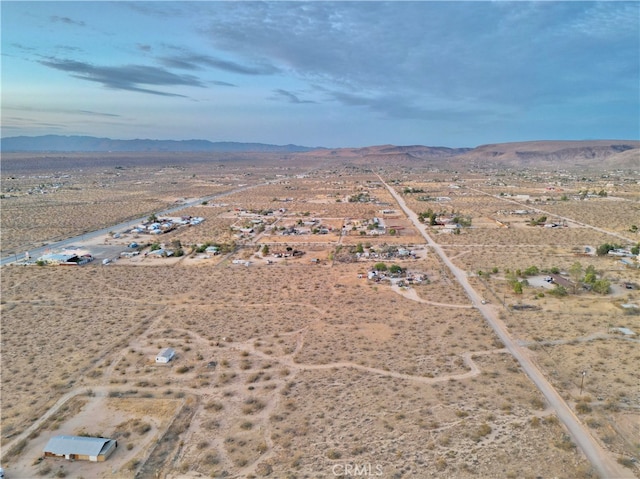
(395, 269)
(359, 248)
(558, 291)
(635, 249)
(575, 271)
(380, 267)
(601, 286)
(265, 250)
(517, 287)
(153, 218)
(604, 248)
(590, 275)
(531, 271)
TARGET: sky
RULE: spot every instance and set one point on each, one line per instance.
(317, 73)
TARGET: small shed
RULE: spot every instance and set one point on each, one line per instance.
(95, 449)
(165, 355)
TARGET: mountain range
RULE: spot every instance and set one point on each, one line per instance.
(551, 153)
(51, 143)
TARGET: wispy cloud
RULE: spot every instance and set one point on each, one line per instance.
(59, 110)
(126, 77)
(221, 83)
(288, 96)
(198, 62)
(66, 20)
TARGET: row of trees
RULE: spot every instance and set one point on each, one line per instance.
(580, 277)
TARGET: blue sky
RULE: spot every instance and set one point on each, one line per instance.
(323, 73)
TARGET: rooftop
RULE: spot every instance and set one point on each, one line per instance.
(86, 446)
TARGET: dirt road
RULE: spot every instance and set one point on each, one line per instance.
(606, 466)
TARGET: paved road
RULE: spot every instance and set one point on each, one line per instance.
(606, 466)
(36, 252)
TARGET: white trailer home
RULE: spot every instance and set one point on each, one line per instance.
(165, 355)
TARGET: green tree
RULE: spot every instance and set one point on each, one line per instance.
(604, 248)
(601, 286)
(395, 269)
(531, 271)
(558, 291)
(575, 271)
(517, 287)
(380, 267)
(590, 275)
(635, 249)
(359, 248)
(512, 278)
(265, 250)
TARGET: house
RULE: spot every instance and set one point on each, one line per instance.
(95, 449)
(66, 258)
(165, 355)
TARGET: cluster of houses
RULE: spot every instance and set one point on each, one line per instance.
(408, 278)
(164, 225)
(401, 253)
(311, 226)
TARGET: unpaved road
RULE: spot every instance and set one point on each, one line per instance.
(602, 462)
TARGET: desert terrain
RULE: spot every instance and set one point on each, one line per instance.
(317, 333)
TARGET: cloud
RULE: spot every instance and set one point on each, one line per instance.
(398, 106)
(502, 55)
(289, 97)
(59, 110)
(66, 20)
(197, 62)
(22, 47)
(221, 83)
(127, 77)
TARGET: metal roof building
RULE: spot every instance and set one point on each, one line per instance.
(95, 449)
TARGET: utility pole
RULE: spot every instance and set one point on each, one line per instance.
(584, 373)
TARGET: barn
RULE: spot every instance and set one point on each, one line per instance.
(165, 355)
(80, 448)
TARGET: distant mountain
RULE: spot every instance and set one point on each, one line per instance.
(588, 153)
(389, 151)
(547, 154)
(91, 143)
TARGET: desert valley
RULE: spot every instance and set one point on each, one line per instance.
(396, 312)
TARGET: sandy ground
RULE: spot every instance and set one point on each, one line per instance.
(301, 369)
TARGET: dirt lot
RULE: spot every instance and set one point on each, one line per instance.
(290, 367)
